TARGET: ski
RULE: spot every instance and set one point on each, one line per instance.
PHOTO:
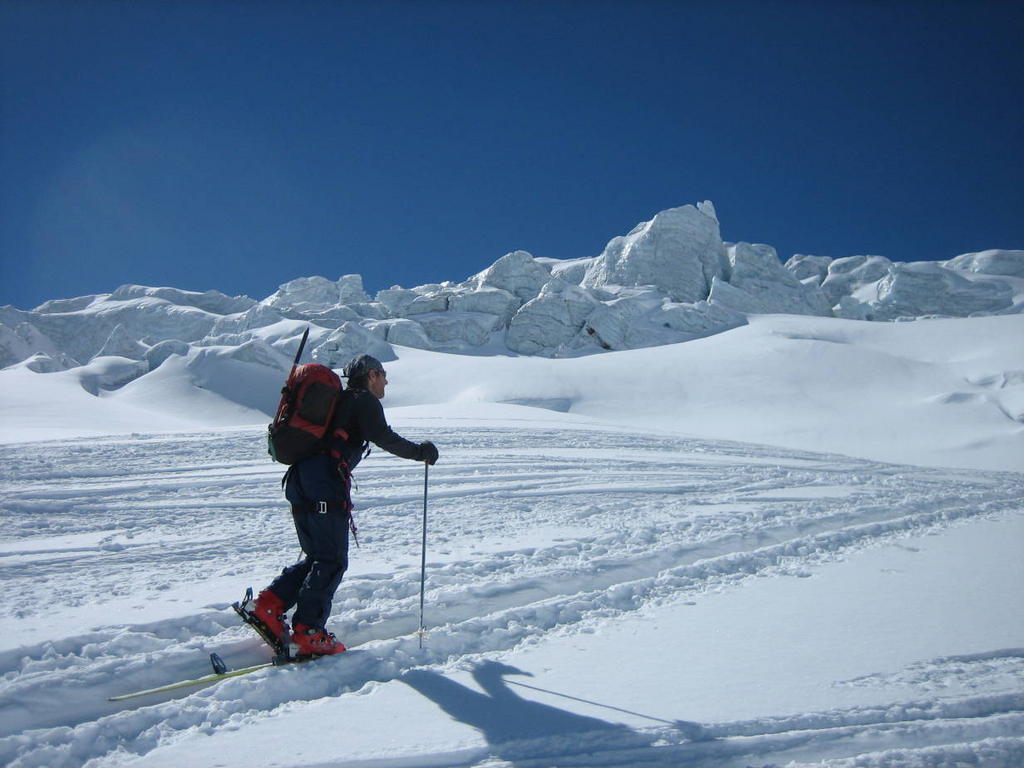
(221, 672)
(282, 656)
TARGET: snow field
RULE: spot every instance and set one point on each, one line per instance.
(931, 392)
(589, 556)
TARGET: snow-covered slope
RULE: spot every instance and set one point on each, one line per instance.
(938, 392)
(596, 596)
(695, 554)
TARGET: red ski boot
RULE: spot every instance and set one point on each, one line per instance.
(309, 642)
(268, 609)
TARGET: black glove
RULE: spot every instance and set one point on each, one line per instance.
(428, 452)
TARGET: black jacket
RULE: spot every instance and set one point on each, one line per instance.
(361, 415)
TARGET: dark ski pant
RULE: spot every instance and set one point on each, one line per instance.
(311, 486)
(311, 583)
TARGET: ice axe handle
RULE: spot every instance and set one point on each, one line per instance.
(302, 345)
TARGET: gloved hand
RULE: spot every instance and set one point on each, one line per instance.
(428, 452)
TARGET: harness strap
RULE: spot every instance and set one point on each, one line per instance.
(324, 507)
(321, 507)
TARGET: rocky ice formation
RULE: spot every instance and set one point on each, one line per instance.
(120, 343)
(678, 252)
(757, 282)
(317, 295)
(994, 262)
(349, 340)
(81, 328)
(21, 340)
(875, 288)
(515, 274)
(552, 319)
(670, 279)
(912, 290)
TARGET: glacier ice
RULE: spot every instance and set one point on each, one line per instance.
(670, 279)
(678, 252)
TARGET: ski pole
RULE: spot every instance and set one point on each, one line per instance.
(423, 555)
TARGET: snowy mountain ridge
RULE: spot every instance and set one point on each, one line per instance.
(671, 279)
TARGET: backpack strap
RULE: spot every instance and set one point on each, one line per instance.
(339, 435)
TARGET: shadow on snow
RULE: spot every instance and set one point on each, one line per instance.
(522, 731)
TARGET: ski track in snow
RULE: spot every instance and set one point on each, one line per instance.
(626, 520)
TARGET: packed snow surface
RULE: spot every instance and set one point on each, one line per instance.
(793, 543)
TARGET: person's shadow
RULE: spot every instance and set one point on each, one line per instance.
(520, 729)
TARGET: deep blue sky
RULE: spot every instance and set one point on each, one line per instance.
(239, 145)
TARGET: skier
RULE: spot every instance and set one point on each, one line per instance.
(317, 488)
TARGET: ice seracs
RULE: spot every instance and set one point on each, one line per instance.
(925, 288)
(214, 302)
(121, 343)
(991, 262)
(147, 315)
(677, 252)
(318, 298)
(845, 276)
(351, 339)
(317, 294)
(756, 271)
(21, 340)
(551, 320)
(670, 279)
(517, 273)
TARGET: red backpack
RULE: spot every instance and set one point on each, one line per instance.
(308, 401)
